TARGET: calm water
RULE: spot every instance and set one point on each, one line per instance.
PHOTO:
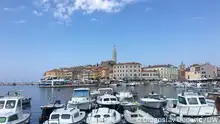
(42, 96)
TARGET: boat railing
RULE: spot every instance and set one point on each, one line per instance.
(195, 110)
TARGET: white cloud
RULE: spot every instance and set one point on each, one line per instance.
(20, 21)
(37, 13)
(63, 9)
(14, 9)
(6, 9)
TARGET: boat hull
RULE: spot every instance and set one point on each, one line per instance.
(156, 105)
(82, 106)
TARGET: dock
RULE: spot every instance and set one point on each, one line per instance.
(67, 86)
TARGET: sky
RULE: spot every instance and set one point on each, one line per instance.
(39, 35)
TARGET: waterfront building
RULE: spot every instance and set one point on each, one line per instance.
(201, 72)
(169, 71)
(128, 70)
(150, 74)
(182, 72)
(62, 73)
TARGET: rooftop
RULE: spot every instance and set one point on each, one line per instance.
(158, 66)
(126, 63)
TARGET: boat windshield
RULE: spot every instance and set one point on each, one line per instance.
(81, 93)
(202, 100)
(216, 90)
(134, 115)
(113, 99)
(2, 119)
(55, 116)
(106, 91)
(65, 116)
(2, 103)
(10, 104)
(154, 96)
(192, 101)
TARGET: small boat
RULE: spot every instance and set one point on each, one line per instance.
(107, 100)
(11, 111)
(191, 107)
(48, 109)
(103, 116)
(137, 116)
(81, 99)
(124, 95)
(102, 91)
(26, 101)
(212, 96)
(66, 116)
(154, 100)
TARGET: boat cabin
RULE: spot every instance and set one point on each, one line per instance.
(103, 113)
(81, 92)
(10, 109)
(189, 99)
(64, 115)
(107, 98)
(103, 91)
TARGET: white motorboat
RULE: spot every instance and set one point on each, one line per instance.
(102, 91)
(107, 100)
(11, 111)
(26, 101)
(179, 85)
(138, 117)
(201, 86)
(154, 101)
(66, 116)
(48, 109)
(104, 116)
(124, 95)
(81, 99)
(190, 108)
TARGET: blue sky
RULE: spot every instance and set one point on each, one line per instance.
(38, 35)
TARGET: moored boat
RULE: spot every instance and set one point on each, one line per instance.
(11, 111)
(153, 100)
(190, 107)
(81, 99)
(104, 116)
(108, 100)
(66, 116)
(26, 101)
(48, 109)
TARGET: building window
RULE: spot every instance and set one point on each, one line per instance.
(126, 70)
(123, 75)
(139, 74)
(130, 74)
(139, 66)
(126, 66)
(118, 74)
(114, 71)
(130, 70)
(134, 66)
(134, 70)
(131, 66)
(114, 67)
(150, 74)
(135, 74)
(209, 76)
(118, 70)
(123, 71)
(201, 68)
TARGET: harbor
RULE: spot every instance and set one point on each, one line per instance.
(43, 96)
